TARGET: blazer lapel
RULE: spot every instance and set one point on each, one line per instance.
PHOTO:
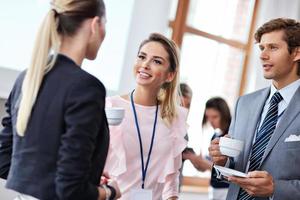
(288, 116)
(254, 118)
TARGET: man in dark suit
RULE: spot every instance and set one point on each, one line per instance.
(268, 121)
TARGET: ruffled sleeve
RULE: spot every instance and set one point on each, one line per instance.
(116, 158)
(170, 176)
(178, 132)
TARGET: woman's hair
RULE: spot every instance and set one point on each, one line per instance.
(63, 19)
(221, 106)
(168, 94)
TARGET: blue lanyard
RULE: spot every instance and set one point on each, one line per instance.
(144, 170)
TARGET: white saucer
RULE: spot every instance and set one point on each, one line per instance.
(229, 172)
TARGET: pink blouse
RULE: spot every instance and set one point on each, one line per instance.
(124, 163)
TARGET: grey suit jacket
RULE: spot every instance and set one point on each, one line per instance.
(281, 159)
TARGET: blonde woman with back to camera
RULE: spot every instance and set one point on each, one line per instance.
(145, 149)
(55, 138)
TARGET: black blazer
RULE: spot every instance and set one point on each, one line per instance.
(63, 153)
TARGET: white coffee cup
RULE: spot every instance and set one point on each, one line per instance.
(231, 147)
(114, 115)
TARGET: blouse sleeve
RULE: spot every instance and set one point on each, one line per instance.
(116, 158)
(171, 172)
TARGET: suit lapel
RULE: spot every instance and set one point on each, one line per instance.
(252, 123)
(288, 116)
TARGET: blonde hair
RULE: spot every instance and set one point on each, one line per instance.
(64, 18)
(168, 95)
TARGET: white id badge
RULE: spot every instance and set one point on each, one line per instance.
(138, 194)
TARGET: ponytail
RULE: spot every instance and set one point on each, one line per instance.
(47, 40)
(64, 18)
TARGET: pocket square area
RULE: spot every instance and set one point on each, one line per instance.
(292, 138)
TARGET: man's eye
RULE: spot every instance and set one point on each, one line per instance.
(141, 57)
(273, 47)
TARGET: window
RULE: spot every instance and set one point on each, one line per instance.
(226, 18)
(214, 40)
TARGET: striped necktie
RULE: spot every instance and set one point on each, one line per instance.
(262, 139)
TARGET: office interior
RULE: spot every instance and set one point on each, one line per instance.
(219, 56)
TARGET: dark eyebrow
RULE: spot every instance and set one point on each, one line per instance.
(273, 44)
(268, 44)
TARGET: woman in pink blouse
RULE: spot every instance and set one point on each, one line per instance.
(145, 149)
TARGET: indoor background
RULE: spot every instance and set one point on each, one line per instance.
(218, 53)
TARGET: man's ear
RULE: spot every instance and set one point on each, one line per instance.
(296, 54)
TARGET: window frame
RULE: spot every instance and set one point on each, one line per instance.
(179, 27)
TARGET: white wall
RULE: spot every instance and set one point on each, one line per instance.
(7, 79)
(128, 23)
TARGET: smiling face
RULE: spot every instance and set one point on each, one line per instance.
(152, 66)
(278, 64)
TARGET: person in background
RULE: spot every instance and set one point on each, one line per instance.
(217, 114)
(55, 138)
(186, 95)
(145, 149)
(267, 121)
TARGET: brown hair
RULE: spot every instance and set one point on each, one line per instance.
(291, 29)
(168, 94)
(185, 90)
(64, 18)
(221, 106)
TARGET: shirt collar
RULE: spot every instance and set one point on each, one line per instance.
(287, 92)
